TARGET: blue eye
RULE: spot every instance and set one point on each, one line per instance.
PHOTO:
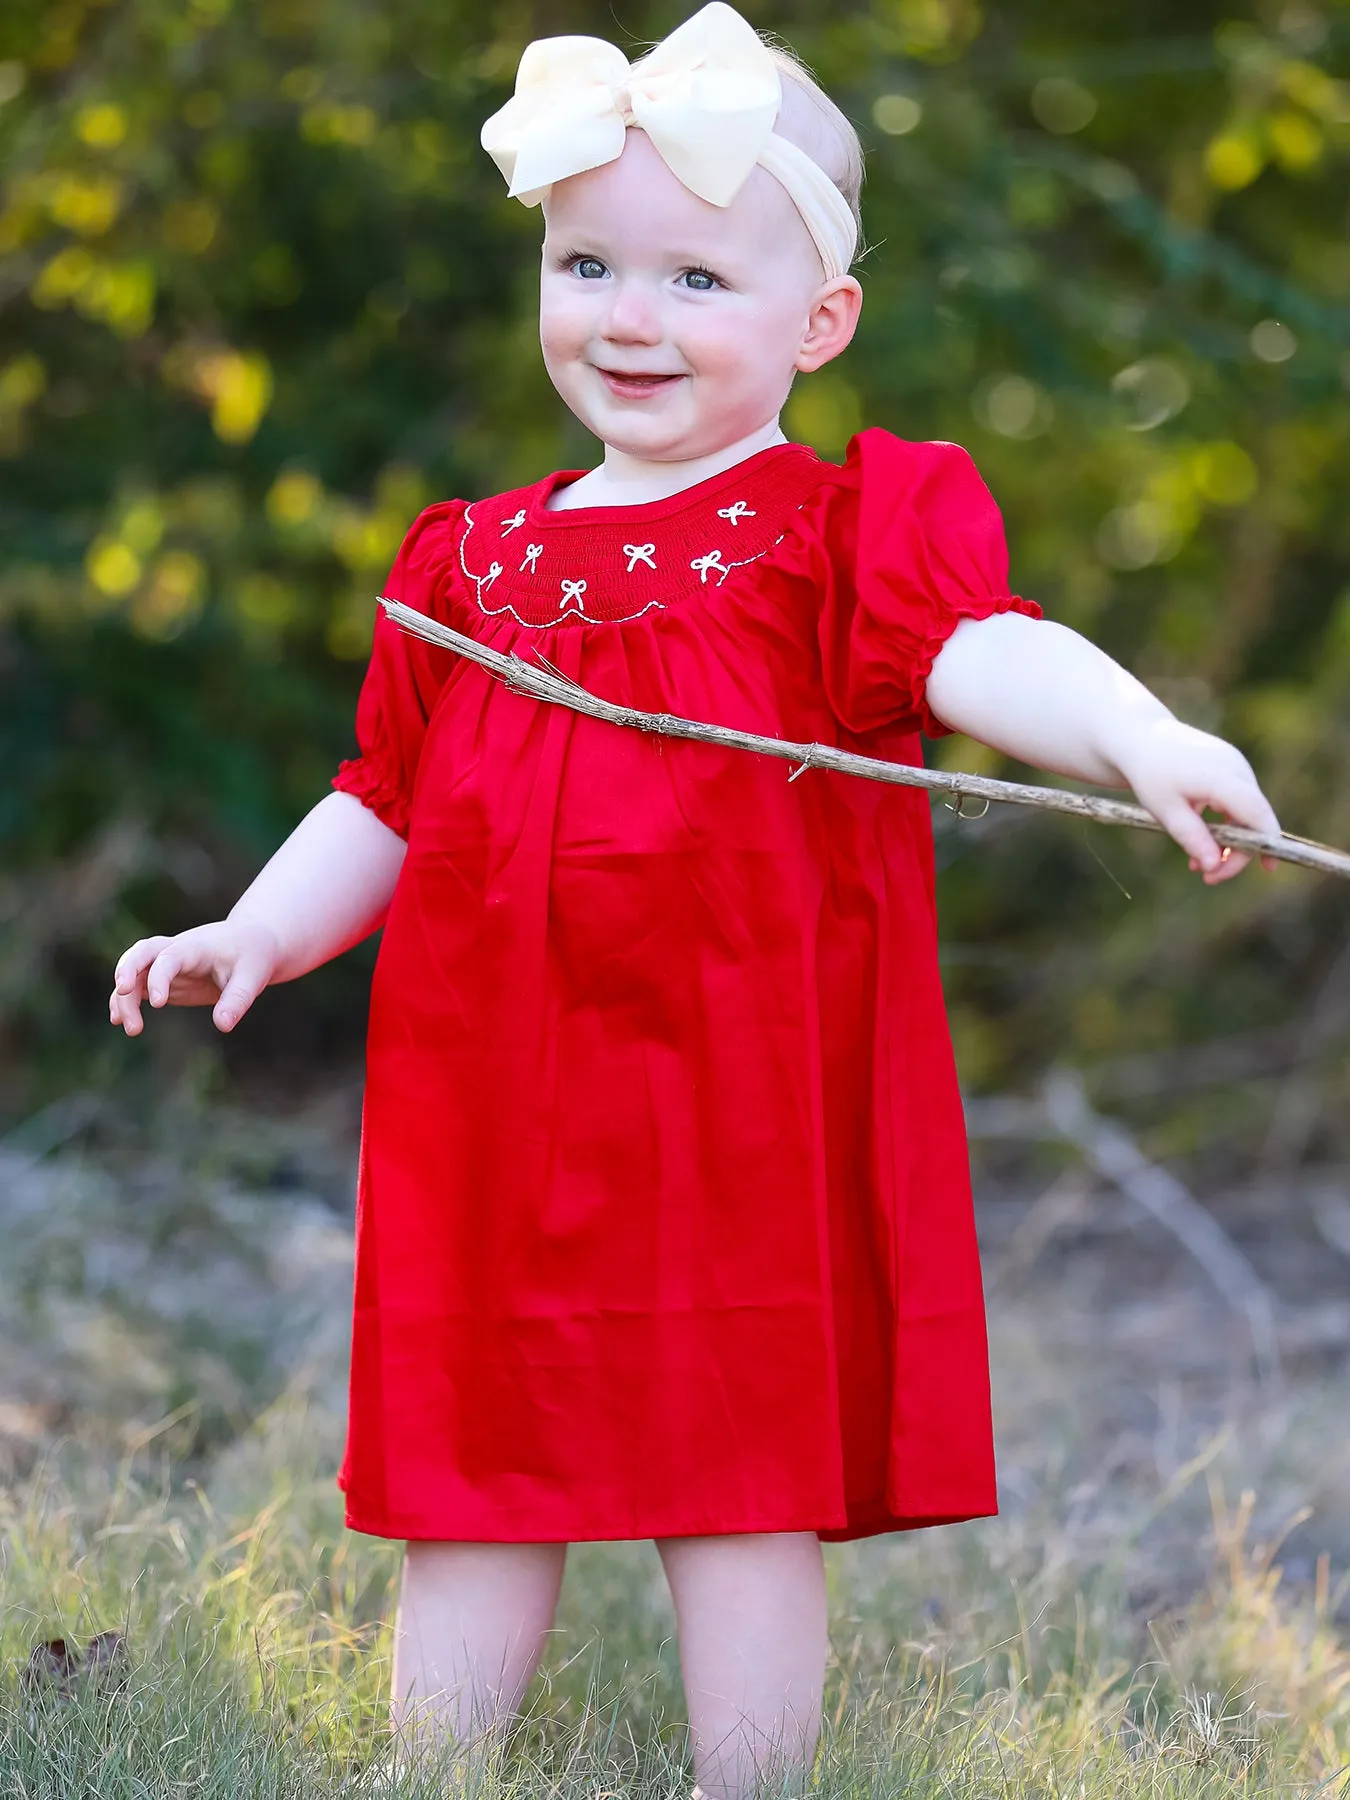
(590, 268)
(702, 281)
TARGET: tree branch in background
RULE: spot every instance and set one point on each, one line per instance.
(1063, 1111)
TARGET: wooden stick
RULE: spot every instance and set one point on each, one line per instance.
(543, 682)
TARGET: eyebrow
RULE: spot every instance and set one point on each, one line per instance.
(601, 244)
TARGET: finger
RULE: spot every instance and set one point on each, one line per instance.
(159, 977)
(132, 963)
(125, 1001)
(1242, 801)
(1182, 822)
(248, 978)
(125, 1010)
(1231, 862)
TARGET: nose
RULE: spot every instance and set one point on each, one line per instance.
(633, 316)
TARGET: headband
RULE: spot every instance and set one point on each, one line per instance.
(707, 97)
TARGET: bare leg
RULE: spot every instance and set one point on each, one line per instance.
(753, 1639)
(472, 1619)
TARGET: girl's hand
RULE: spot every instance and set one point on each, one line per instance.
(225, 965)
(1176, 770)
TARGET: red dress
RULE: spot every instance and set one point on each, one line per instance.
(664, 1222)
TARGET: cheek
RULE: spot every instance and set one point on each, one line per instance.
(748, 349)
(564, 323)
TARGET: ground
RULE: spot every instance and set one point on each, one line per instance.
(1160, 1607)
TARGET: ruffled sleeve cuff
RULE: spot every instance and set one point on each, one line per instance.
(404, 676)
(928, 722)
(384, 795)
(916, 545)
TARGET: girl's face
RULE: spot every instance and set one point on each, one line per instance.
(673, 328)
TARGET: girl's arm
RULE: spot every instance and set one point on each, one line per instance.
(1042, 693)
(327, 887)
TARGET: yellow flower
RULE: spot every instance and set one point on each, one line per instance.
(239, 387)
(88, 204)
(1233, 160)
(102, 126)
(113, 567)
(294, 497)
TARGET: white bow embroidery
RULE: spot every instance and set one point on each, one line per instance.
(640, 553)
(571, 596)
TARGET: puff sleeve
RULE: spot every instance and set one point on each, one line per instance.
(916, 545)
(404, 675)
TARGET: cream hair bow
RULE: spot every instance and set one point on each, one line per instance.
(707, 97)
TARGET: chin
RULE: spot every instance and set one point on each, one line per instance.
(654, 439)
(653, 446)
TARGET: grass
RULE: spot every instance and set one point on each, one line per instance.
(1135, 1624)
(259, 1653)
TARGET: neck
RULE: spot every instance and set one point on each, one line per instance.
(624, 480)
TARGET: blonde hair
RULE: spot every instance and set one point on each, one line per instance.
(820, 127)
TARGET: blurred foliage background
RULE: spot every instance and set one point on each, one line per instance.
(262, 297)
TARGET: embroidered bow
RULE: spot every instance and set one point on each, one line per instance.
(707, 97)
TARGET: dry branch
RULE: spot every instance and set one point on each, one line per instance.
(542, 682)
(1063, 1112)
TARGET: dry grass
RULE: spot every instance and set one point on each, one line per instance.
(1004, 1659)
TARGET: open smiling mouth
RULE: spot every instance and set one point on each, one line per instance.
(636, 387)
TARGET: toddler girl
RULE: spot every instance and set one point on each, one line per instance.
(664, 1224)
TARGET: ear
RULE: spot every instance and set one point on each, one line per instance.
(830, 327)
